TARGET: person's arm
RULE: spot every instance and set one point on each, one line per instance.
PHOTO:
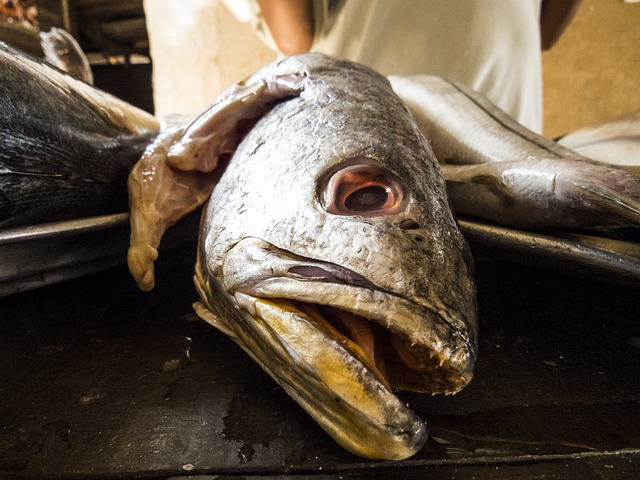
(555, 16)
(290, 23)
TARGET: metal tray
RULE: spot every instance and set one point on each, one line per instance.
(39, 255)
(599, 258)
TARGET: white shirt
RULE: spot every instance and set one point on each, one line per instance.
(491, 46)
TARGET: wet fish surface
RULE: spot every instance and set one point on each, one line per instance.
(498, 170)
(328, 251)
(616, 141)
(66, 148)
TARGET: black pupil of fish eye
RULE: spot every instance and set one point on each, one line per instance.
(367, 198)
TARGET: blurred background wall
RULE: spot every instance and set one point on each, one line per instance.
(593, 72)
(198, 49)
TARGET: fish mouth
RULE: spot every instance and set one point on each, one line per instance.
(339, 346)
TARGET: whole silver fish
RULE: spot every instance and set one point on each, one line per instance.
(498, 170)
(66, 148)
(616, 141)
(328, 251)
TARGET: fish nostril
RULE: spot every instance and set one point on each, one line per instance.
(411, 224)
(408, 224)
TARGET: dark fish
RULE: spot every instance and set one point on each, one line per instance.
(328, 251)
(66, 148)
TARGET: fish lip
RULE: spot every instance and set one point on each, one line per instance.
(344, 397)
(259, 269)
(328, 374)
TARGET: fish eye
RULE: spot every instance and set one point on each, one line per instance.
(363, 188)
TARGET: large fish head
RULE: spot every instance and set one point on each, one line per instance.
(329, 253)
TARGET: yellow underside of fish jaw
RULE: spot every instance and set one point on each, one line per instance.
(420, 346)
(330, 377)
(333, 374)
(396, 362)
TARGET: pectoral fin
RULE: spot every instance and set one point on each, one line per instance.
(479, 184)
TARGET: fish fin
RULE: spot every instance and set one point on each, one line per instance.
(208, 316)
(484, 177)
(177, 173)
(496, 186)
(63, 51)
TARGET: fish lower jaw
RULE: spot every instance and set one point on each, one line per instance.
(357, 335)
(416, 344)
(337, 386)
(396, 361)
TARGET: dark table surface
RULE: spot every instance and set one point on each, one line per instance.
(100, 380)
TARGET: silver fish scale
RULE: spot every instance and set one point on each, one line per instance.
(267, 239)
(271, 189)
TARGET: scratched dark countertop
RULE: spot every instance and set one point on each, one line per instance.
(100, 380)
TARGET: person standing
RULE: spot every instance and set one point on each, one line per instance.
(491, 46)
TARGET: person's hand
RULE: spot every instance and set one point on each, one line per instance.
(290, 23)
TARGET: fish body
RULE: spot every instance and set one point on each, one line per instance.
(616, 141)
(497, 169)
(66, 148)
(327, 248)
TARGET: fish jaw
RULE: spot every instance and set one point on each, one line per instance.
(306, 322)
(323, 375)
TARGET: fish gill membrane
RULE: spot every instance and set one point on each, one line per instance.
(327, 249)
(498, 170)
(66, 148)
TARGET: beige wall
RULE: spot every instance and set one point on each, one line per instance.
(198, 50)
(593, 72)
